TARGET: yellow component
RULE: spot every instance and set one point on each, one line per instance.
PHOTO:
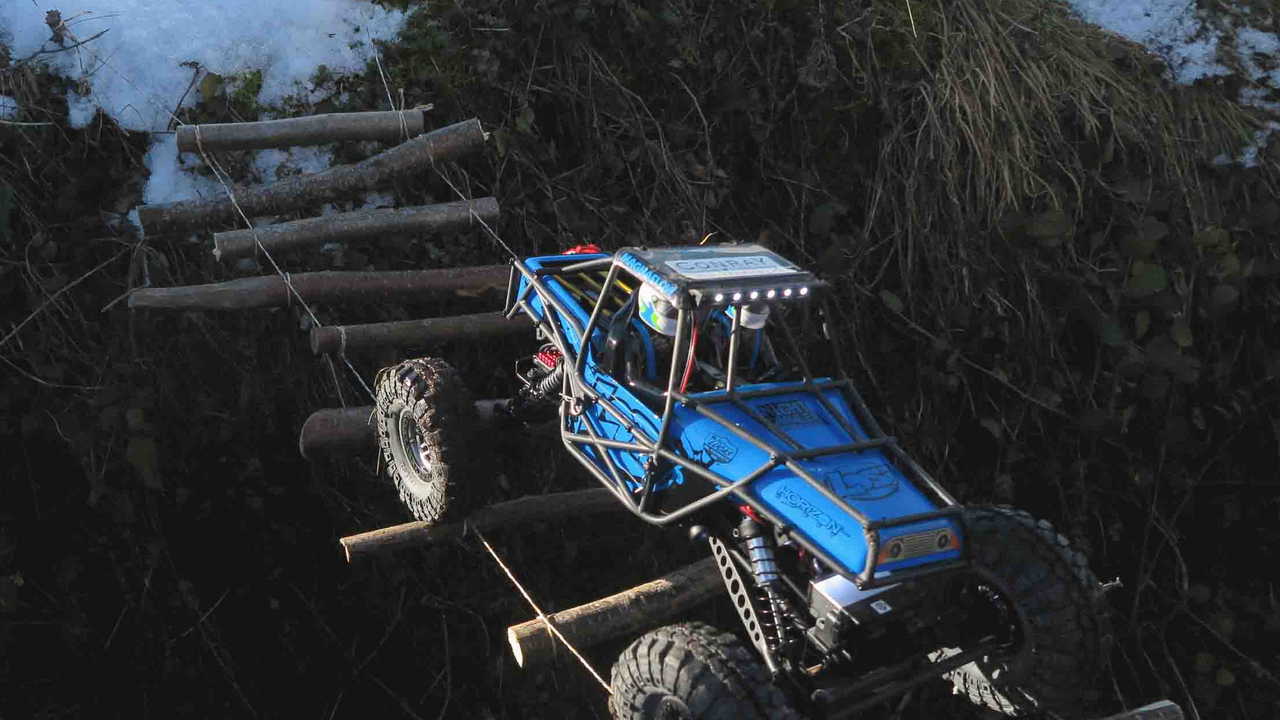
(597, 283)
(577, 292)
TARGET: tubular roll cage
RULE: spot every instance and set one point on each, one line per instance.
(579, 391)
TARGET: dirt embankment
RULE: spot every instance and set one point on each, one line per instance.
(1055, 297)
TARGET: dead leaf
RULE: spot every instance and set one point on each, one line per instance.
(1141, 323)
(893, 302)
(1181, 332)
(143, 454)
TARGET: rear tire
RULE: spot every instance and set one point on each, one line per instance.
(692, 670)
(427, 424)
(1055, 603)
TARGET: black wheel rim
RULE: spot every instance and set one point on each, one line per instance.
(992, 609)
(660, 705)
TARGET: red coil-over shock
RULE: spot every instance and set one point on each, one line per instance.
(547, 357)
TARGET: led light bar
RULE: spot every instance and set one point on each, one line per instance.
(736, 297)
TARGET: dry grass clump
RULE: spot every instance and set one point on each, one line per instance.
(999, 106)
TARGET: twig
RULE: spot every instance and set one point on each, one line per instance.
(173, 116)
(61, 290)
(404, 704)
(1257, 667)
(44, 51)
(24, 124)
(395, 621)
(448, 669)
(203, 617)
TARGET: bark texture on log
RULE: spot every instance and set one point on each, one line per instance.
(338, 430)
(298, 132)
(325, 286)
(441, 145)
(629, 612)
(521, 511)
(410, 333)
(356, 225)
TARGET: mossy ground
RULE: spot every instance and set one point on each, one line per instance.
(1053, 296)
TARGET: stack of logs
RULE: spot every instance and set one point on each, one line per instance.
(350, 430)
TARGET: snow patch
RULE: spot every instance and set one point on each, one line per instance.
(137, 72)
(1169, 28)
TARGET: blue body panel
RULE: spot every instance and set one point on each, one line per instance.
(865, 479)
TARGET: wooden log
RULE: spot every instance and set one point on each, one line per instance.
(326, 286)
(339, 431)
(356, 225)
(440, 145)
(411, 333)
(298, 132)
(626, 613)
(521, 511)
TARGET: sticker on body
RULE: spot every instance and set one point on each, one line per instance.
(715, 268)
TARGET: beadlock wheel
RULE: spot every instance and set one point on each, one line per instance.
(427, 424)
(1045, 605)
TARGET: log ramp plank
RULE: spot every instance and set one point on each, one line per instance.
(355, 225)
(313, 190)
(302, 131)
(325, 286)
(343, 431)
(521, 511)
(415, 333)
(631, 611)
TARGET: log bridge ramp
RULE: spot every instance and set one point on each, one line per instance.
(333, 431)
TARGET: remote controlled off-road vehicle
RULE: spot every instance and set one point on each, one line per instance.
(686, 381)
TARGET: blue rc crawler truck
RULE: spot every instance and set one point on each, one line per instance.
(687, 382)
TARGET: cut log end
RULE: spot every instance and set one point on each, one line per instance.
(626, 613)
(521, 511)
(514, 641)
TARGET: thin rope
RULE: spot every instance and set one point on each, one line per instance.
(541, 615)
(377, 59)
(510, 576)
(218, 172)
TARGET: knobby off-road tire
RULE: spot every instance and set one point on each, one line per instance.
(692, 670)
(428, 429)
(1056, 602)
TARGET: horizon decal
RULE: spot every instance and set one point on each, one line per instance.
(791, 498)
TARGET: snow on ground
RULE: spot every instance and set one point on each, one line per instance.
(137, 75)
(1174, 31)
(8, 108)
(1170, 28)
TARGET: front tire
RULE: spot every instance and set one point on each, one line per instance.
(1053, 604)
(427, 424)
(692, 670)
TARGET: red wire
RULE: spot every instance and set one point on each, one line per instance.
(688, 367)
